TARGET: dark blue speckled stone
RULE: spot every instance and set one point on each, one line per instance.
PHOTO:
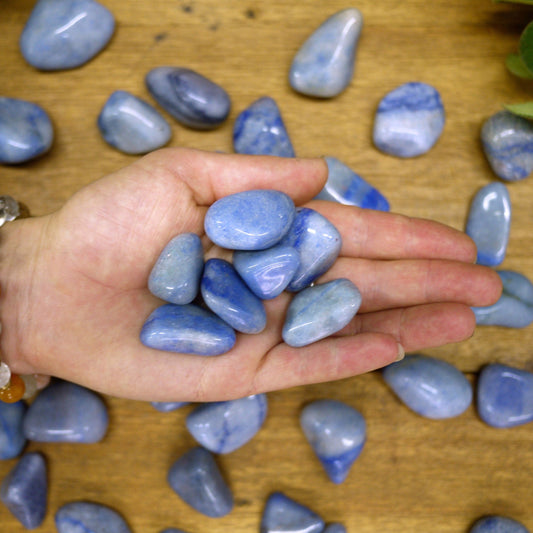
(89, 517)
(12, 439)
(498, 524)
(284, 515)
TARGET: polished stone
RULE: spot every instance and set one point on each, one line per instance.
(267, 272)
(176, 274)
(334, 528)
(167, 407)
(189, 97)
(131, 125)
(12, 439)
(346, 187)
(250, 220)
(324, 65)
(89, 517)
(260, 130)
(24, 490)
(64, 34)
(223, 427)
(505, 396)
(489, 223)
(497, 524)
(284, 515)
(514, 309)
(409, 120)
(26, 131)
(337, 434)
(66, 412)
(430, 387)
(196, 479)
(508, 144)
(187, 329)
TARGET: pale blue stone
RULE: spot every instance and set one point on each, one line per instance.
(285, 515)
(324, 65)
(337, 434)
(319, 311)
(260, 130)
(346, 187)
(505, 396)
(131, 125)
(223, 427)
(334, 528)
(409, 120)
(66, 412)
(197, 480)
(26, 131)
(318, 244)
(430, 387)
(167, 407)
(498, 524)
(250, 220)
(176, 274)
(189, 97)
(12, 439)
(489, 223)
(514, 309)
(89, 517)
(64, 34)
(508, 144)
(267, 272)
(187, 329)
(24, 490)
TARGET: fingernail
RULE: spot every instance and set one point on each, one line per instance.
(401, 352)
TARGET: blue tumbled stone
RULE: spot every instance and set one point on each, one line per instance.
(430, 387)
(66, 412)
(505, 396)
(284, 515)
(337, 434)
(409, 120)
(334, 528)
(498, 524)
(489, 223)
(318, 244)
(64, 34)
(26, 131)
(223, 427)
(324, 65)
(189, 97)
(196, 479)
(24, 490)
(250, 220)
(167, 407)
(187, 329)
(176, 274)
(260, 130)
(514, 309)
(12, 439)
(89, 517)
(508, 145)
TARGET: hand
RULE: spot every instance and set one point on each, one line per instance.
(75, 291)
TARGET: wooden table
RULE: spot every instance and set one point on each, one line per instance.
(414, 475)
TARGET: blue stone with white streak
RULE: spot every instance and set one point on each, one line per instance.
(12, 439)
(65, 34)
(260, 130)
(337, 434)
(498, 524)
(430, 387)
(167, 407)
(285, 515)
(409, 120)
(489, 223)
(89, 517)
(335, 527)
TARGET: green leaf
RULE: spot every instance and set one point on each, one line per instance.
(526, 46)
(516, 66)
(529, 2)
(524, 109)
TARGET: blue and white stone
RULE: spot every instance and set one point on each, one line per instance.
(132, 125)
(223, 427)
(498, 524)
(167, 407)
(189, 97)
(489, 223)
(66, 412)
(260, 130)
(337, 434)
(267, 272)
(505, 396)
(226, 294)
(196, 479)
(318, 244)
(26, 131)
(409, 120)
(12, 439)
(65, 34)
(508, 145)
(250, 220)
(324, 65)
(335, 527)
(187, 329)
(319, 311)
(285, 515)
(175, 277)
(514, 309)
(430, 387)
(89, 517)
(24, 490)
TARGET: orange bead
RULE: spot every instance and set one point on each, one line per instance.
(14, 391)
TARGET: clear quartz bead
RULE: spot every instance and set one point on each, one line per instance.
(5, 375)
(9, 209)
